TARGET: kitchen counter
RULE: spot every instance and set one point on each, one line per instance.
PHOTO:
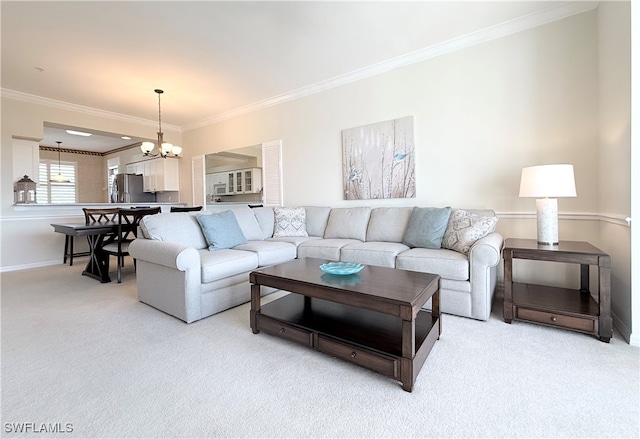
(76, 208)
(211, 206)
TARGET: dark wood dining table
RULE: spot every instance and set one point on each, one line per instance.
(98, 264)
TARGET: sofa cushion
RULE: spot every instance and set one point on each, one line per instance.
(323, 248)
(226, 262)
(179, 228)
(221, 230)
(265, 218)
(317, 217)
(465, 228)
(248, 223)
(348, 223)
(289, 221)
(270, 252)
(381, 254)
(426, 227)
(447, 263)
(295, 240)
(388, 224)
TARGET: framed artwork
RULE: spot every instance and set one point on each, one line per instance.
(378, 160)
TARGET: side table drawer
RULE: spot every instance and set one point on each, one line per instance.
(382, 364)
(284, 330)
(560, 320)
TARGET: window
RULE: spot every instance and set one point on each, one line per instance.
(51, 192)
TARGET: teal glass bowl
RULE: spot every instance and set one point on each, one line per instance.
(341, 268)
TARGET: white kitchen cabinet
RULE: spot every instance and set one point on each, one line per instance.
(244, 181)
(231, 183)
(219, 178)
(149, 176)
(135, 168)
(239, 181)
(252, 180)
(161, 175)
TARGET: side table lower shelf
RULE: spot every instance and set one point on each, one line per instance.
(556, 307)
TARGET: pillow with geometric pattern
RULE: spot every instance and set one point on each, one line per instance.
(465, 228)
(289, 221)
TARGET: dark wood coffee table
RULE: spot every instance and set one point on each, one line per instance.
(373, 319)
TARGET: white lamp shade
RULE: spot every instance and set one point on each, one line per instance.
(147, 147)
(176, 150)
(548, 181)
(166, 148)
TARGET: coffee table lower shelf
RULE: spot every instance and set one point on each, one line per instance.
(366, 338)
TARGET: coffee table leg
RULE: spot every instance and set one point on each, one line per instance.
(408, 353)
(255, 307)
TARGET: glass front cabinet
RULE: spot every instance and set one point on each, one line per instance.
(244, 181)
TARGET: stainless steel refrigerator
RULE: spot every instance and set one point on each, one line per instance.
(128, 188)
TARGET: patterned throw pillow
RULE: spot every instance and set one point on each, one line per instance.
(465, 228)
(290, 221)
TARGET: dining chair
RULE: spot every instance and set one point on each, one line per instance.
(186, 209)
(128, 222)
(100, 215)
(90, 216)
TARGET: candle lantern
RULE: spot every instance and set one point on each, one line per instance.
(24, 191)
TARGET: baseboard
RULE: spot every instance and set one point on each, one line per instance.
(624, 331)
(29, 266)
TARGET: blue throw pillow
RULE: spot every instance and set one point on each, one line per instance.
(426, 227)
(221, 230)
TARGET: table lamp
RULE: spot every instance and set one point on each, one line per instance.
(546, 183)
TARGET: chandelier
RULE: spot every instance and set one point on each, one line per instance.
(164, 149)
(59, 178)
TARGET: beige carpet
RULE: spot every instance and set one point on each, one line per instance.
(88, 357)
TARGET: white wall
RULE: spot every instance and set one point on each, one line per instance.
(480, 115)
(614, 152)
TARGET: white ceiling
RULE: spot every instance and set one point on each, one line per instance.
(213, 57)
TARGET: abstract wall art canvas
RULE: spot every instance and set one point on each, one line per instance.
(378, 160)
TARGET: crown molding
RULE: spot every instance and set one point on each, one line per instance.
(553, 13)
(47, 102)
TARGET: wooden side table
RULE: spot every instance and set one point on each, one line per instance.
(575, 310)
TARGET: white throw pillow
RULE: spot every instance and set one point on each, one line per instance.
(465, 228)
(289, 221)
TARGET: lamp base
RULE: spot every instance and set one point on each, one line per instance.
(547, 215)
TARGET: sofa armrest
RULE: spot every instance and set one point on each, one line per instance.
(169, 254)
(484, 256)
(486, 252)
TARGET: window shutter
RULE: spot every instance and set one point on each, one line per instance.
(198, 181)
(272, 173)
(51, 192)
(42, 189)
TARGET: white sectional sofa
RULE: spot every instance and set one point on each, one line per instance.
(178, 274)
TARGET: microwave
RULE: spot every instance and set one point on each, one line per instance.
(220, 189)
